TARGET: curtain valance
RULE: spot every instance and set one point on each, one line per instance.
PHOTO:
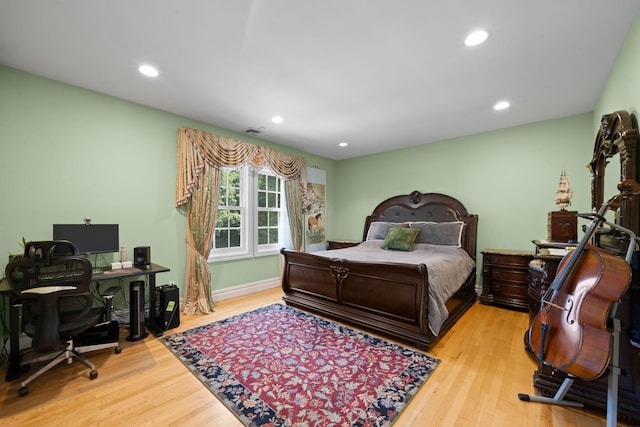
(196, 147)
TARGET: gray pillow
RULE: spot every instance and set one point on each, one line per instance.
(378, 230)
(439, 233)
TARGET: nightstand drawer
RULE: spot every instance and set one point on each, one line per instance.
(504, 274)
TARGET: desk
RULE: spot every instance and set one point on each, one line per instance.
(13, 370)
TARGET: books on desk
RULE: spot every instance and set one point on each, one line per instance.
(550, 247)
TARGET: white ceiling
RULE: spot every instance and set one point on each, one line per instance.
(378, 74)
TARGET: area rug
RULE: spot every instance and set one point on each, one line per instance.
(278, 366)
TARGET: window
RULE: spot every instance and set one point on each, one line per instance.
(249, 216)
(231, 212)
(268, 211)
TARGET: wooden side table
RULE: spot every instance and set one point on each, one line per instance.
(505, 278)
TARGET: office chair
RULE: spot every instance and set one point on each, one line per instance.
(52, 285)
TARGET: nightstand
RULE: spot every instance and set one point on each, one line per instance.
(505, 278)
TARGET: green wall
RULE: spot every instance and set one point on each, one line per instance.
(68, 153)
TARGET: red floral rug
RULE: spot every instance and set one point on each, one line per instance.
(278, 366)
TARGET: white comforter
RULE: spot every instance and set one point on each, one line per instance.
(448, 267)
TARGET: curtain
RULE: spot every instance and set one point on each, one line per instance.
(200, 157)
(201, 212)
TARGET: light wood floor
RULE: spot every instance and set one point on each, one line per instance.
(483, 368)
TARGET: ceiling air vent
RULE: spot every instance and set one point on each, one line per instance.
(254, 130)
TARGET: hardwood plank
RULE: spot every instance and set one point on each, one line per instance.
(483, 367)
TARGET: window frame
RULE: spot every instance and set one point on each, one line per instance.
(249, 234)
(273, 248)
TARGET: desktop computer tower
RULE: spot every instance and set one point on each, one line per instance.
(136, 311)
(168, 310)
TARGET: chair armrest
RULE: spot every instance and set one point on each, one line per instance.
(45, 290)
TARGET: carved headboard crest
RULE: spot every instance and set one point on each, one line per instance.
(415, 197)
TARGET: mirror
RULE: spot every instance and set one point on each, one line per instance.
(614, 160)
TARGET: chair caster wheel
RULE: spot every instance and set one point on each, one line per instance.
(93, 375)
(118, 350)
(23, 391)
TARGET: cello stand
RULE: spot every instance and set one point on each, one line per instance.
(558, 398)
(614, 374)
(612, 390)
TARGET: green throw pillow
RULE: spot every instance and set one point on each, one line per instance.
(400, 239)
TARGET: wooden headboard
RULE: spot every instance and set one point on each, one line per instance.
(434, 207)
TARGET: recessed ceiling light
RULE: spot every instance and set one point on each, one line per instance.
(148, 70)
(502, 105)
(343, 144)
(277, 119)
(476, 38)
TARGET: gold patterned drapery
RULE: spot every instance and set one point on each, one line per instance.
(200, 157)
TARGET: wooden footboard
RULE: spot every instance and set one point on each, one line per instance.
(386, 298)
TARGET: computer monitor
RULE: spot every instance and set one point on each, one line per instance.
(89, 239)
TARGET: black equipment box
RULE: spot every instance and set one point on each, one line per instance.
(168, 310)
(102, 333)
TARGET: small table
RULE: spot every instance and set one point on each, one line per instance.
(505, 278)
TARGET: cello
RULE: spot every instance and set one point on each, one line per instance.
(570, 333)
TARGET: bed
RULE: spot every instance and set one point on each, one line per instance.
(402, 294)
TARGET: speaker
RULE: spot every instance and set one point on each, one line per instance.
(168, 300)
(137, 330)
(142, 257)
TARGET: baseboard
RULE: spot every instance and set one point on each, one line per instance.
(245, 289)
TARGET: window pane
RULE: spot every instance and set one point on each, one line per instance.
(221, 240)
(273, 183)
(234, 238)
(278, 202)
(272, 200)
(234, 178)
(262, 200)
(221, 219)
(273, 219)
(234, 218)
(262, 182)
(222, 199)
(263, 236)
(263, 218)
(273, 235)
(234, 197)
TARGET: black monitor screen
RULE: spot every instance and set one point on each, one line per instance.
(90, 239)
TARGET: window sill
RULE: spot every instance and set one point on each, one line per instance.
(236, 257)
